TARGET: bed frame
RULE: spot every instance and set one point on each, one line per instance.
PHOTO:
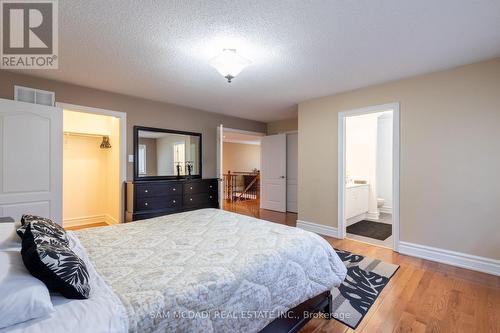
(297, 317)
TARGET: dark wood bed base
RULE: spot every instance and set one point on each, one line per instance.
(297, 317)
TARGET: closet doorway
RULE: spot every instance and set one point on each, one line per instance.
(93, 166)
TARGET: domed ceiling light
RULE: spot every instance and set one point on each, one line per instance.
(229, 63)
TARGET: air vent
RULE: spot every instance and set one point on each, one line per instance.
(35, 96)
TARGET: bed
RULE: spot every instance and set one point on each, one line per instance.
(201, 271)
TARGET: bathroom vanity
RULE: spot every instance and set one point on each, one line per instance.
(356, 202)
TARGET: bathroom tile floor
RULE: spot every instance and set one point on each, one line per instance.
(385, 243)
(383, 218)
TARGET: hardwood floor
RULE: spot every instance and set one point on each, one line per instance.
(423, 296)
(251, 208)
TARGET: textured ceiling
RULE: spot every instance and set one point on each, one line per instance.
(300, 49)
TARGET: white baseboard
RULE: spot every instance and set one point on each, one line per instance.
(385, 209)
(355, 219)
(372, 215)
(110, 220)
(318, 228)
(463, 260)
(76, 221)
(458, 259)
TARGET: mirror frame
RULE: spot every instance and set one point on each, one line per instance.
(162, 130)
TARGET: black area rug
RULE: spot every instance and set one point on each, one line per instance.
(366, 277)
(377, 230)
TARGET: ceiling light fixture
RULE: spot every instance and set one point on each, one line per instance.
(229, 63)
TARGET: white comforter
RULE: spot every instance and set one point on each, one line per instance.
(210, 270)
(201, 271)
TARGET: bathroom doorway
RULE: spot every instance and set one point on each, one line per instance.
(369, 175)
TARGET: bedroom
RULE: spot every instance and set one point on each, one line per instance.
(175, 262)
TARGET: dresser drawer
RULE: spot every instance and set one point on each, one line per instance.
(199, 199)
(147, 199)
(200, 187)
(161, 202)
(161, 189)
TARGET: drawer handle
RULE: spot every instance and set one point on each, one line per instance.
(190, 199)
(190, 187)
(145, 204)
(210, 197)
(210, 186)
(173, 201)
(173, 189)
(145, 191)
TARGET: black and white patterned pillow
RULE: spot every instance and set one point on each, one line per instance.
(54, 263)
(43, 225)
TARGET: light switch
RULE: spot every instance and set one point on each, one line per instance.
(131, 158)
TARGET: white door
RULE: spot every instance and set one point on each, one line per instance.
(30, 160)
(273, 173)
(220, 175)
(292, 163)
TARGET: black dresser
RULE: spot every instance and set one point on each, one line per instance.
(147, 199)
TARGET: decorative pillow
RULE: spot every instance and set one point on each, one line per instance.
(44, 225)
(54, 263)
(23, 297)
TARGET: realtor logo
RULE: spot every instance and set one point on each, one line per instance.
(29, 34)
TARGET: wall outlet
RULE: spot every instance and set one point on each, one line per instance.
(131, 158)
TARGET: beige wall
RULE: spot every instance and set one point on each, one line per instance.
(139, 112)
(241, 157)
(282, 126)
(450, 156)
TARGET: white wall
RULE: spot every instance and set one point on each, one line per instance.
(369, 155)
(384, 160)
(165, 154)
(361, 154)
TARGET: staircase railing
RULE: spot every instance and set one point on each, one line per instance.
(241, 186)
(252, 190)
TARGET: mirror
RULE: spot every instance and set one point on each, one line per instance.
(166, 154)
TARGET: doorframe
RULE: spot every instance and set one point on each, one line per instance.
(122, 116)
(221, 157)
(341, 231)
(235, 130)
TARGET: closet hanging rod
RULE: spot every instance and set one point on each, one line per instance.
(85, 134)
